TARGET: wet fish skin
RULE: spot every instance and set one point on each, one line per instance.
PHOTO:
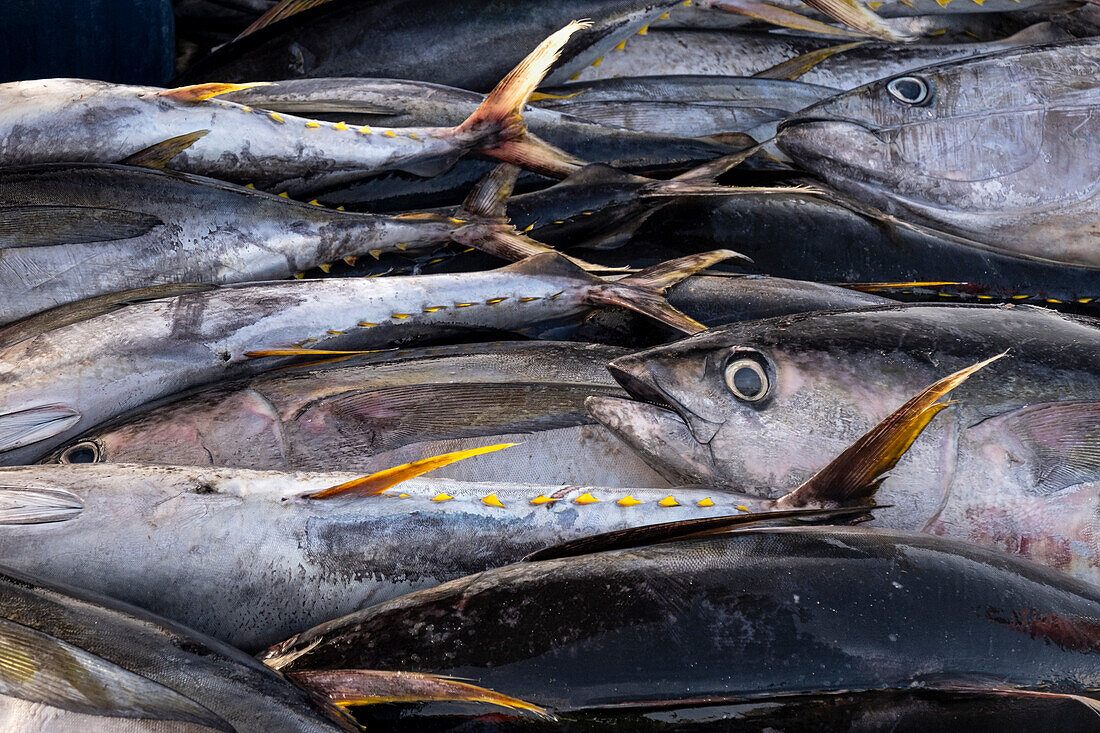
(747, 615)
(62, 382)
(398, 103)
(283, 563)
(199, 231)
(1005, 164)
(738, 53)
(59, 120)
(182, 680)
(380, 410)
(429, 41)
(809, 236)
(1011, 466)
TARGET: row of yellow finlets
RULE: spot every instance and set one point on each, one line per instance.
(583, 499)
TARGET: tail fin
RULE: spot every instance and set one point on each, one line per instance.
(856, 473)
(496, 127)
(644, 292)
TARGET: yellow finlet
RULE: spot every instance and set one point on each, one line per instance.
(250, 185)
(643, 30)
(494, 301)
(413, 136)
(401, 316)
(442, 497)
(364, 130)
(275, 116)
(1085, 300)
(620, 46)
(325, 268)
(390, 133)
(741, 508)
(284, 195)
(542, 499)
(585, 498)
(598, 61)
(629, 500)
(375, 253)
(314, 202)
(313, 125)
(366, 324)
(378, 482)
(704, 502)
(203, 92)
(339, 208)
(528, 299)
(330, 332)
(464, 305)
(434, 308)
(669, 500)
(492, 500)
(662, 16)
(299, 275)
(529, 227)
(340, 126)
(1020, 297)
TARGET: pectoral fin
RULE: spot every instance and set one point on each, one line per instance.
(45, 226)
(24, 427)
(352, 687)
(32, 505)
(1064, 438)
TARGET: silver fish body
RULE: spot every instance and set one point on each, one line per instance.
(61, 120)
(381, 410)
(76, 662)
(739, 53)
(998, 149)
(241, 555)
(760, 407)
(74, 231)
(60, 382)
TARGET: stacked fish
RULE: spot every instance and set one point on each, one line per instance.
(669, 307)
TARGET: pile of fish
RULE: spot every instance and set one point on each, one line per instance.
(558, 366)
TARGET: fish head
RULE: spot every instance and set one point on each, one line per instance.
(760, 407)
(953, 134)
(234, 428)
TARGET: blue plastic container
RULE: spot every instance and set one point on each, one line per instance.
(130, 41)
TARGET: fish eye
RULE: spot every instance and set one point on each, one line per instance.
(83, 452)
(747, 378)
(910, 90)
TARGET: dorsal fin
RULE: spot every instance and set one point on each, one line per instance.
(856, 473)
(279, 11)
(379, 481)
(865, 21)
(669, 531)
(791, 69)
(202, 92)
(355, 687)
(158, 155)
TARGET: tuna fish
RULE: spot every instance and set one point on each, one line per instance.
(70, 231)
(997, 149)
(58, 383)
(76, 661)
(707, 629)
(63, 120)
(369, 412)
(1015, 465)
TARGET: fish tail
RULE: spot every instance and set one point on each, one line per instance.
(644, 291)
(497, 128)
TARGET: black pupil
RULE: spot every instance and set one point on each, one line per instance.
(81, 454)
(748, 382)
(910, 90)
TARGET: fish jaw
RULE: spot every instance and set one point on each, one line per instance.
(636, 376)
(659, 436)
(843, 151)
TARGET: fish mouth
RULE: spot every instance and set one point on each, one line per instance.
(796, 120)
(632, 374)
(657, 435)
